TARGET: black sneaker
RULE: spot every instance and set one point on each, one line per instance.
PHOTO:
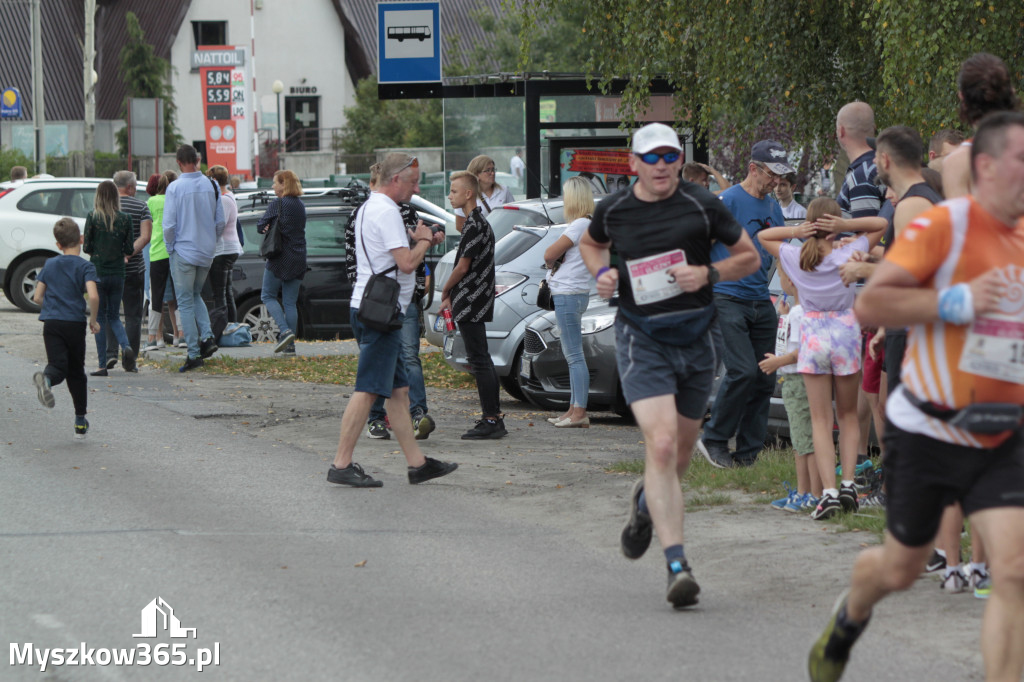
(682, 588)
(191, 363)
(377, 430)
(81, 427)
(848, 498)
(111, 363)
(486, 429)
(936, 563)
(830, 653)
(352, 475)
(207, 348)
(422, 426)
(716, 453)
(284, 342)
(434, 468)
(289, 350)
(828, 507)
(636, 536)
(128, 360)
(43, 391)
(101, 372)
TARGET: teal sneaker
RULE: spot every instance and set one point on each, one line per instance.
(791, 494)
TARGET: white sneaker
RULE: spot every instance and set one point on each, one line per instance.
(955, 582)
(150, 345)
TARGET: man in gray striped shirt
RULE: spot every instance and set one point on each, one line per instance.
(135, 266)
(859, 197)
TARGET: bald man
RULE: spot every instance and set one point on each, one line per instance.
(859, 197)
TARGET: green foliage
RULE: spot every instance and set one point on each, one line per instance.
(731, 59)
(374, 123)
(147, 75)
(9, 158)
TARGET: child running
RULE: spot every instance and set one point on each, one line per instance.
(794, 397)
(829, 338)
(59, 289)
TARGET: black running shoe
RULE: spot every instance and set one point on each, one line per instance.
(190, 364)
(433, 468)
(378, 430)
(830, 653)
(112, 362)
(682, 588)
(207, 348)
(828, 507)
(101, 372)
(128, 360)
(81, 427)
(487, 429)
(848, 498)
(936, 563)
(352, 475)
(636, 536)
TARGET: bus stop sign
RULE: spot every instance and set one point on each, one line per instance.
(408, 42)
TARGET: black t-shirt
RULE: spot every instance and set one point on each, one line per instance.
(410, 219)
(473, 296)
(689, 220)
(920, 189)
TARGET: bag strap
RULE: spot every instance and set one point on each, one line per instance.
(369, 261)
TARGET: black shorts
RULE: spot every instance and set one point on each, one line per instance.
(924, 475)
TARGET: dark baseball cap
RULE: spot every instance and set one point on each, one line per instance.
(771, 154)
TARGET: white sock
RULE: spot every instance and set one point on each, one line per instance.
(830, 492)
(952, 569)
(847, 484)
(940, 552)
(981, 568)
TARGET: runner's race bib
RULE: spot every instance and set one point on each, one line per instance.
(649, 276)
(782, 335)
(995, 348)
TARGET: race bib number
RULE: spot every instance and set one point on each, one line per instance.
(782, 335)
(995, 348)
(649, 276)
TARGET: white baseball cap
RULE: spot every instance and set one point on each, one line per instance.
(655, 135)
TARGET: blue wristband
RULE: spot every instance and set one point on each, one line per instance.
(601, 272)
(956, 304)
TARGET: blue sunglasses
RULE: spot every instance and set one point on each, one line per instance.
(650, 158)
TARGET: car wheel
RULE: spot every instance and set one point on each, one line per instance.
(511, 382)
(23, 283)
(255, 314)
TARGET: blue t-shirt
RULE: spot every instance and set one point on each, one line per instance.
(753, 215)
(65, 278)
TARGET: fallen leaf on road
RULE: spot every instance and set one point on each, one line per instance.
(361, 564)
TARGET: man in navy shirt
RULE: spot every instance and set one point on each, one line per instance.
(859, 196)
(747, 319)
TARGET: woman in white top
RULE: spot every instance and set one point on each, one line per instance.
(228, 247)
(570, 291)
(491, 194)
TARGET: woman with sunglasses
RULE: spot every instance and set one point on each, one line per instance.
(491, 194)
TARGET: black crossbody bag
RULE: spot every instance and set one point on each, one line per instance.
(379, 309)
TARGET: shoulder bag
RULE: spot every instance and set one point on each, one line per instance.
(271, 247)
(379, 309)
(544, 300)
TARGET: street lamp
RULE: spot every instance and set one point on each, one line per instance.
(278, 88)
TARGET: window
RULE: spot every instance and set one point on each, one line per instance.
(82, 201)
(210, 32)
(325, 236)
(43, 201)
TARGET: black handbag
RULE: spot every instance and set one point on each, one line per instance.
(544, 300)
(271, 247)
(379, 309)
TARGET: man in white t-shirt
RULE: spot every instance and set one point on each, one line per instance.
(382, 246)
(518, 167)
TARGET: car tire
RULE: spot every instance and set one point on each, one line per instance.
(23, 283)
(511, 382)
(254, 313)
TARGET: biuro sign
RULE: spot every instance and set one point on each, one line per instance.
(223, 73)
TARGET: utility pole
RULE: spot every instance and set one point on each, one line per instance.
(88, 55)
(38, 110)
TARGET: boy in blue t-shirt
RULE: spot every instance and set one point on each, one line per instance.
(61, 283)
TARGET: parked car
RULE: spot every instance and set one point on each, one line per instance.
(27, 214)
(324, 295)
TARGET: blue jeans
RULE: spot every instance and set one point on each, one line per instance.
(410, 359)
(287, 319)
(379, 371)
(748, 329)
(569, 309)
(188, 289)
(111, 287)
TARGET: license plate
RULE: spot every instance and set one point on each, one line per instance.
(449, 342)
(527, 369)
(439, 323)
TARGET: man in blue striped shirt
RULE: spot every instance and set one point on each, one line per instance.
(859, 196)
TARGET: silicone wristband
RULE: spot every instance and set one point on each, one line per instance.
(956, 304)
(601, 272)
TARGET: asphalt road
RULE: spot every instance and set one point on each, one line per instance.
(241, 535)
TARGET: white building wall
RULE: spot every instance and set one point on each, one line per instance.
(299, 42)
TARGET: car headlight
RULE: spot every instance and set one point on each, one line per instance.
(595, 323)
(505, 281)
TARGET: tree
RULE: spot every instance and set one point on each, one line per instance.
(373, 123)
(11, 157)
(147, 75)
(736, 61)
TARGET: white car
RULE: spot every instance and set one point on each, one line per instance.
(27, 214)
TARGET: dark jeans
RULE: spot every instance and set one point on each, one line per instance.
(111, 335)
(65, 359)
(744, 397)
(474, 335)
(132, 298)
(159, 276)
(220, 282)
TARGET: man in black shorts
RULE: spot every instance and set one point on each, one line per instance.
(954, 429)
(662, 230)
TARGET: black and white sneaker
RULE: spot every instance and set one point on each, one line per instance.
(848, 498)
(487, 429)
(353, 476)
(636, 536)
(207, 348)
(828, 507)
(43, 391)
(378, 430)
(682, 587)
(936, 563)
(422, 426)
(433, 468)
(284, 342)
(716, 453)
(112, 362)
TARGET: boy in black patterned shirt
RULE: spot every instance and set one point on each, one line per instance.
(469, 293)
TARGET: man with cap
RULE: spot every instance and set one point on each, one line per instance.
(662, 230)
(747, 318)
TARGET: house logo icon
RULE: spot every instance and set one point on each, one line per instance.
(159, 615)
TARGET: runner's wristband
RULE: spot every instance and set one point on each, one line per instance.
(956, 304)
(601, 272)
